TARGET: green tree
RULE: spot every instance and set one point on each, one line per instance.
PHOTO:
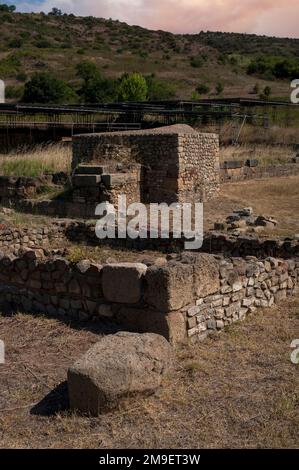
(133, 87)
(95, 88)
(88, 70)
(55, 12)
(7, 8)
(160, 90)
(44, 88)
(267, 91)
(99, 90)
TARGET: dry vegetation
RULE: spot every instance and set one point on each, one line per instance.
(255, 136)
(278, 197)
(265, 154)
(228, 392)
(42, 159)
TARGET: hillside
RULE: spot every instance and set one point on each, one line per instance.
(57, 43)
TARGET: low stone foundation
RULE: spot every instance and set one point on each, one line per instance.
(190, 296)
(60, 232)
(241, 172)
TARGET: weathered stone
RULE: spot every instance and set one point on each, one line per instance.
(122, 282)
(116, 367)
(219, 324)
(206, 275)
(91, 169)
(168, 288)
(212, 324)
(83, 266)
(86, 180)
(104, 310)
(74, 287)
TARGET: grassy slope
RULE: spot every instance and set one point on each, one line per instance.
(117, 48)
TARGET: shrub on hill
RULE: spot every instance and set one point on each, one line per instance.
(160, 90)
(44, 88)
(275, 67)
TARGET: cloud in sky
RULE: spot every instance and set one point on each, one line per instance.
(271, 17)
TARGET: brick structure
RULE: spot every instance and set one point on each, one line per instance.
(178, 164)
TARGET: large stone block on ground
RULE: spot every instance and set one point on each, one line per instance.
(122, 282)
(116, 367)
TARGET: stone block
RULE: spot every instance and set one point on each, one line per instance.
(117, 179)
(170, 287)
(82, 181)
(117, 367)
(91, 169)
(122, 282)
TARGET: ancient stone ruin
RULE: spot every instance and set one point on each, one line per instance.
(179, 297)
(167, 164)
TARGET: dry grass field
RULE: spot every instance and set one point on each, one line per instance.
(265, 154)
(42, 159)
(278, 197)
(237, 390)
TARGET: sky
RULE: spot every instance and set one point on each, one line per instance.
(269, 17)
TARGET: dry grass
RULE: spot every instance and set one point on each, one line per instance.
(278, 197)
(42, 159)
(257, 135)
(265, 154)
(228, 392)
(103, 254)
(274, 135)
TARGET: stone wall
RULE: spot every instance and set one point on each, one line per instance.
(244, 172)
(242, 286)
(250, 245)
(14, 188)
(188, 296)
(60, 232)
(198, 167)
(177, 162)
(14, 238)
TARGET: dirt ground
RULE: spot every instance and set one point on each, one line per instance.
(238, 390)
(278, 197)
